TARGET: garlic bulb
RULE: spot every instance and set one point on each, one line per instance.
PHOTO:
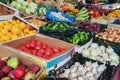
(95, 65)
(80, 78)
(94, 70)
(85, 52)
(109, 50)
(89, 74)
(86, 71)
(94, 53)
(94, 45)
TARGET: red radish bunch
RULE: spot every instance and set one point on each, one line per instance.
(40, 49)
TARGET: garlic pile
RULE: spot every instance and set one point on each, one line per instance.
(101, 53)
(88, 71)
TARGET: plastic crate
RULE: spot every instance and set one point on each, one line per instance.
(76, 58)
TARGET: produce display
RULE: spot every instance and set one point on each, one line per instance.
(97, 11)
(92, 30)
(114, 14)
(37, 22)
(68, 7)
(79, 37)
(86, 71)
(32, 8)
(40, 49)
(101, 53)
(82, 14)
(24, 5)
(110, 34)
(57, 26)
(87, 25)
(14, 29)
(42, 9)
(11, 68)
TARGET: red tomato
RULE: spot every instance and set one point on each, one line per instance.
(56, 49)
(28, 51)
(44, 46)
(32, 45)
(39, 54)
(48, 53)
(62, 49)
(27, 45)
(42, 50)
(37, 47)
(34, 52)
(52, 55)
(38, 43)
(49, 50)
(46, 56)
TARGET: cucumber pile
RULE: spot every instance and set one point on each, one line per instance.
(82, 14)
(57, 26)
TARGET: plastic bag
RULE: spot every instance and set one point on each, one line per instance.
(64, 18)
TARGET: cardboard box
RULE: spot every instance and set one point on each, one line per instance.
(7, 12)
(49, 64)
(22, 20)
(4, 52)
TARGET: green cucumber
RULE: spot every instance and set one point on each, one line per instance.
(66, 25)
(56, 25)
(61, 27)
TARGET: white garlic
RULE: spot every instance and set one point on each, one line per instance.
(94, 45)
(95, 64)
(101, 68)
(85, 52)
(88, 63)
(67, 71)
(73, 75)
(88, 68)
(77, 64)
(74, 79)
(109, 50)
(92, 78)
(94, 70)
(89, 74)
(80, 78)
(73, 70)
(80, 68)
(82, 72)
(102, 48)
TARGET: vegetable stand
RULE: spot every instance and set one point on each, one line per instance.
(59, 40)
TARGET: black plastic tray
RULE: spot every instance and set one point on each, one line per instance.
(69, 34)
(76, 58)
